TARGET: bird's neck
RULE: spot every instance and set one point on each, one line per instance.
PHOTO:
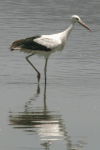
(68, 31)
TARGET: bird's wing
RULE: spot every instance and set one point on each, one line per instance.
(48, 41)
(43, 43)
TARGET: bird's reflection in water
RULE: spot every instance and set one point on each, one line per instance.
(41, 121)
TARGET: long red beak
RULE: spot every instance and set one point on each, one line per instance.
(84, 25)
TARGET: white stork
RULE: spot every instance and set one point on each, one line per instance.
(45, 45)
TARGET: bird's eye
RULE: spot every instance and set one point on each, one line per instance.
(77, 19)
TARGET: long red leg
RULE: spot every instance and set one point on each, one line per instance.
(39, 75)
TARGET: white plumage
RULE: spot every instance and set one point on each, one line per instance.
(46, 44)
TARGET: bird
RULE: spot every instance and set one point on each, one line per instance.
(46, 144)
(45, 45)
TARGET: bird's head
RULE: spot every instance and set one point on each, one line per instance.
(76, 19)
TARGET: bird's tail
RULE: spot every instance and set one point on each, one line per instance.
(15, 45)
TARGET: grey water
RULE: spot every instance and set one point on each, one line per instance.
(64, 109)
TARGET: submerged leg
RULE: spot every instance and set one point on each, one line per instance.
(33, 66)
(45, 69)
(45, 84)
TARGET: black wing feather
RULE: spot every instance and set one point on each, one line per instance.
(28, 43)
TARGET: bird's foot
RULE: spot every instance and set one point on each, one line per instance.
(38, 76)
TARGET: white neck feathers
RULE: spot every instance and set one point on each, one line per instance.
(68, 31)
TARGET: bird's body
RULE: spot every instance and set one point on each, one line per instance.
(46, 144)
(45, 45)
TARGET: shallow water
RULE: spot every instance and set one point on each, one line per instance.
(65, 110)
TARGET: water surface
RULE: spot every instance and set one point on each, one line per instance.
(64, 110)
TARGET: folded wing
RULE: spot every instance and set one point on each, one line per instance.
(41, 43)
(48, 41)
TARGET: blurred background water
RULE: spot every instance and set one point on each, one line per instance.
(65, 110)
